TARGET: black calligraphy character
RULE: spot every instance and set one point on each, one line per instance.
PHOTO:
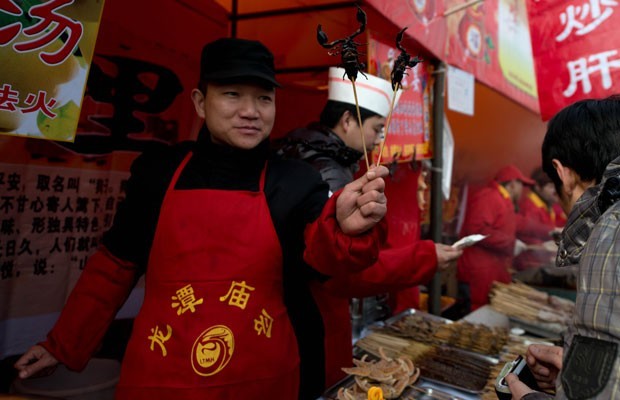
(109, 203)
(53, 225)
(56, 247)
(38, 225)
(59, 184)
(21, 203)
(70, 244)
(81, 224)
(6, 204)
(81, 205)
(40, 266)
(73, 184)
(68, 225)
(67, 205)
(10, 248)
(14, 181)
(7, 226)
(24, 247)
(83, 244)
(6, 269)
(37, 205)
(43, 182)
(138, 92)
(94, 224)
(53, 203)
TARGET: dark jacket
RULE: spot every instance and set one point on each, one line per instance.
(325, 151)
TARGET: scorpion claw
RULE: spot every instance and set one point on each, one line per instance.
(361, 18)
(321, 36)
(399, 38)
(416, 60)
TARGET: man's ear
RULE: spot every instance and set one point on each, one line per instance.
(347, 121)
(567, 175)
(198, 98)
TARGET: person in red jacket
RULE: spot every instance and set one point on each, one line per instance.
(227, 237)
(537, 222)
(490, 211)
(560, 215)
(334, 148)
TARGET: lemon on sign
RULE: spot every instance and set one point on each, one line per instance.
(62, 127)
(88, 12)
(9, 120)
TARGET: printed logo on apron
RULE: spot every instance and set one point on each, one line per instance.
(212, 350)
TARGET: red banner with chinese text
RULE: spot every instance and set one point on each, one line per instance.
(575, 45)
(409, 134)
(489, 40)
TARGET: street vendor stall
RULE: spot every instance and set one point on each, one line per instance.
(60, 191)
(456, 359)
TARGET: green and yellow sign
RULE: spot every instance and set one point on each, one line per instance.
(46, 48)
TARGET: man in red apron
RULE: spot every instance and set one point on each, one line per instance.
(228, 239)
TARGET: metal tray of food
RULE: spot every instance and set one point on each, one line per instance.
(424, 389)
(468, 373)
(348, 382)
(493, 359)
(550, 330)
(413, 311)
(453, 367)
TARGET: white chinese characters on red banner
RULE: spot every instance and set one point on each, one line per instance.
(575, 45)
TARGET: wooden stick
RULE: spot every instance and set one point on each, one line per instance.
(387, 123)
(359, 121)
(461, 7)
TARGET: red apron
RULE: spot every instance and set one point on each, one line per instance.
(213, 324)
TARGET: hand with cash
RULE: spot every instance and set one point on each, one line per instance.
(468, 241)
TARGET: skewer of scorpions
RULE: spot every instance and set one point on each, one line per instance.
(347, 49)
(399, 70)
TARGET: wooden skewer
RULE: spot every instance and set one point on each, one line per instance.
(359, 121)
(387, 123)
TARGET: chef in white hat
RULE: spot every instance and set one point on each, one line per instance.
(374, 96)
(334, 144)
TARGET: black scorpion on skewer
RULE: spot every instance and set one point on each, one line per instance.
(403, 62)
(348, 47)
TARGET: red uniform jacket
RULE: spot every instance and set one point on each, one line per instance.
(387, 275)
(490, 212)
(534, 224)
(560, 215)
(405, 263)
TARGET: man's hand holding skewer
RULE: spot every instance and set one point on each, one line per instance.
(362, 202)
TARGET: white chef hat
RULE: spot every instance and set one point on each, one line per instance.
(374, 94)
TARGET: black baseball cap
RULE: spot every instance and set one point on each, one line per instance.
(229, 59)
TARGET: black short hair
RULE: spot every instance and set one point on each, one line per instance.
(333, 110)
(584, 136)
(540, 177)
